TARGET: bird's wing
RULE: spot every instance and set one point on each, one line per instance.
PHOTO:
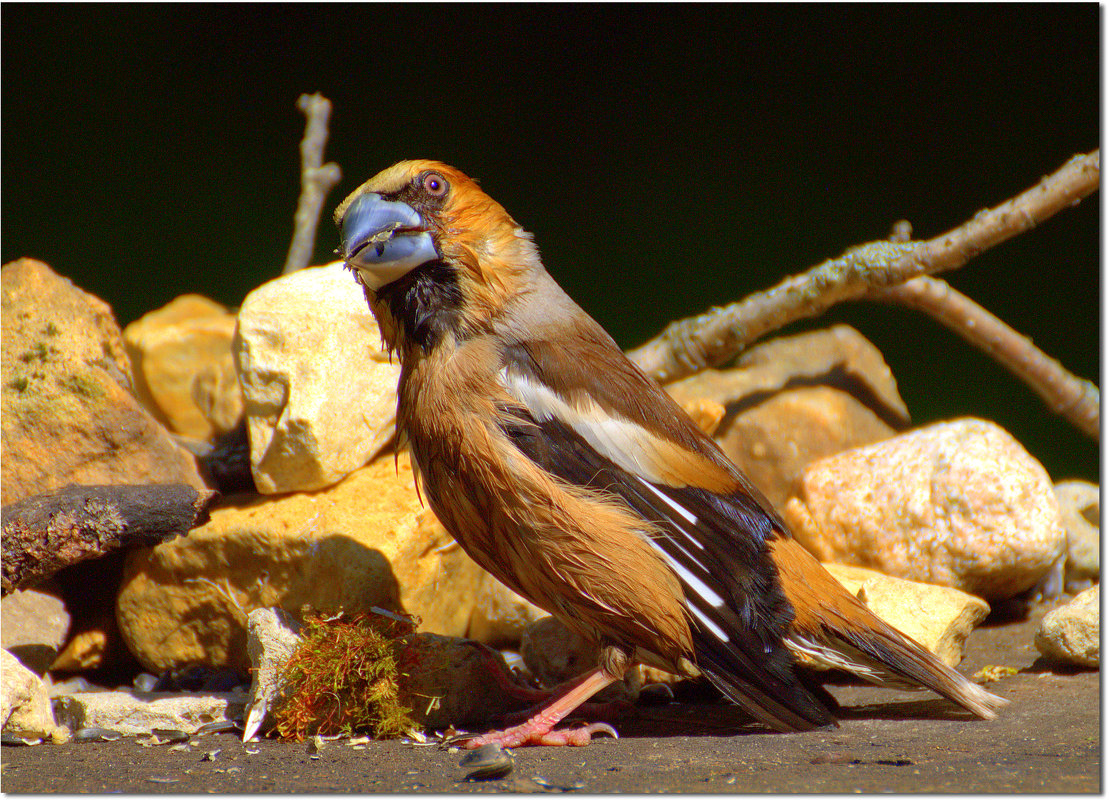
(585, 414)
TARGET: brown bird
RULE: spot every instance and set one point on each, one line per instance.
(572, 477)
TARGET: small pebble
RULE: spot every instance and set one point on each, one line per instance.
(162, 779)
(522, 785)
(93, 734)
(144, 682)
(488, 762)
(181, 747)
(219, 727)
(7, 738)
(562, 788)
(656, 694)
(210, 756)
(171, 735)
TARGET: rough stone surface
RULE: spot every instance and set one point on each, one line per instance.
(272, 636)
(706, 413)
(133, 712)
(319, 395)
(24, 700)
(365, 542)
(554, 654)
(500, 615)
(68, 416)
(939, 618)
(33, 626)
(960, 504)
(453, 686)
(1071, 632)
(1080, 505)
(182, 366)
(796, 399)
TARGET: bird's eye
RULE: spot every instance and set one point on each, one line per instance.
(435, 185)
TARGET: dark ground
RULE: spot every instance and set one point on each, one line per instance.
(1047, 741)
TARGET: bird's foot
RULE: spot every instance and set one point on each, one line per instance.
(536, 733)
(587, 710)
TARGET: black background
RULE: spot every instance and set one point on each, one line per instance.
(667, 158)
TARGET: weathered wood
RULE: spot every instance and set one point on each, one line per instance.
(44, 533)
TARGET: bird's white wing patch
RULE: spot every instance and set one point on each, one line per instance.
(624, 442)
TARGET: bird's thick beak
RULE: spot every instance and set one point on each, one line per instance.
(383, 240)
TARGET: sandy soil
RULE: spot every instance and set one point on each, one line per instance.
(1046, 741)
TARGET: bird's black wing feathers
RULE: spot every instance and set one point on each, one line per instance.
(714, 543)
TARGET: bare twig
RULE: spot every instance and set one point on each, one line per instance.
(316, 180)
(44, 533)
(709, 339)
(1065, 394)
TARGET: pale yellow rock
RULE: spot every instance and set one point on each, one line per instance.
(500, 615)
(960, 504)
(24, 700)
(706, 413)
(365, 542)
(774, 441)
(68, 414)
(1080, 505)
(319, 396)
(83, 652)
(182, 365)
(34, 624)
(1071, 633)
(795, 399)
(939, 618)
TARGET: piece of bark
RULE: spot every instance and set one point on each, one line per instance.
(44, 533)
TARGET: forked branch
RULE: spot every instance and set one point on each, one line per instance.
(897, 271)
(713, 338)
(316, 180)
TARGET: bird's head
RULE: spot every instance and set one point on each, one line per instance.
(435, 253)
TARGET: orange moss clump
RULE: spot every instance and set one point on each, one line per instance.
(344, 678)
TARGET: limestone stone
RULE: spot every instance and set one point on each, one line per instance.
(24, 700)
(67, 414)
(1080, 505)
(1071, 632)
(272, 637)
(795, 399)
(939, 618)
(184, 374)
(132, 712)
(960, 504)
(367, 541)
(500, 615)
(319, 396)
(33, 626)
(706, 413)
(453, 685)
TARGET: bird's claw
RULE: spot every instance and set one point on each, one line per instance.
(526, 734)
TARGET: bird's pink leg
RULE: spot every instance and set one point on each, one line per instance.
(539, 728)
(535, 697)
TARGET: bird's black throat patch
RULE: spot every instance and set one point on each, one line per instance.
(426, 301)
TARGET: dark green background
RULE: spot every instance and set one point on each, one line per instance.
(668, 158)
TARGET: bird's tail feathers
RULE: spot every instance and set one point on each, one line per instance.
(776, 697)
(833, 627)
(883, 656)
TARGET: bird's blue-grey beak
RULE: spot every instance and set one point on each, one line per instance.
(384, 239)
